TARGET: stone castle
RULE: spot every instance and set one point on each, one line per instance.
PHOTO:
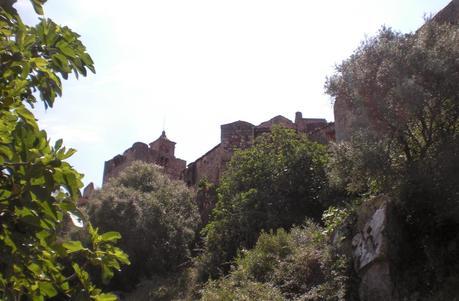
(160, 152)
(241, 134)
(235, 135)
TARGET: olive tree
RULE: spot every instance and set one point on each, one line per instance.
(402, 88)
(402, 98)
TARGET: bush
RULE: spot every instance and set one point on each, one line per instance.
(156, 216)
(274, 184)
(229, 289)
(300, 265)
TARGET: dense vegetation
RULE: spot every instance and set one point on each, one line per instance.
(157, 218)
(300, 265)
(403, 91)
(277, 183)
(38, 188)
(272, 234)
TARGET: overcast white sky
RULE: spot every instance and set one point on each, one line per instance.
(193, 65)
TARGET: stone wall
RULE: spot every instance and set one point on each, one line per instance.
(211, 165)
(242, 134)
(208, 167)
(160, 152)
(449, 14)
(235, 135)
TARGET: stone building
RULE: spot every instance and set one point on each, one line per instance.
(160, 152)
(241, 135)
(235, 135)
(449, 14)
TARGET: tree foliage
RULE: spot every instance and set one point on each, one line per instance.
(404, 99)
(403, 95)
(278, 182)
(156, 216)
(403, 88)
(38, 189)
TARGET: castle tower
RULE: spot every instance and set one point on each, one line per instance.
(161, 152)
(163, 145)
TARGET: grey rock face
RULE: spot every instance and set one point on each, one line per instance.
(372, 247)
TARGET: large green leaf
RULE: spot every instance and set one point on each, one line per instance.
(106, 297)
(38, 6)
(73, 246)
(110, 236)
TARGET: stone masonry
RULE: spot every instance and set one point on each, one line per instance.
(235, 135)
(241, 135)
(160, 152)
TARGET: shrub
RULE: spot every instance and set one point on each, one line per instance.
(274, 184)
(300, 265)
(156, 216)
(229, 289)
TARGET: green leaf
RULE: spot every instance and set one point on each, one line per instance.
(58, 144)
(110, 236)
(35, 268)
(106, 297)
(107, 274)
(47, 289)
(73, 246)
(39, 62)
(42, 235)
(65, 49)
(6, 152)
(27, 116)
(7, 240)
(38, 298)
(22, 212)
(68, 154)
(38, 6)
(61, 62)
(121, 256)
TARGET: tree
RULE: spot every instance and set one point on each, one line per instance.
(156, 216)
(38, 189)
(278, 182)
(403, 88)
(402, 92)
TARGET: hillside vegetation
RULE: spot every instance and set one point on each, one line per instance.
(286, 209)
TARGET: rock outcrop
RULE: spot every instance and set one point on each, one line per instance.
(375, 246)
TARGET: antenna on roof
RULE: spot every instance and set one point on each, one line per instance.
(164, 123)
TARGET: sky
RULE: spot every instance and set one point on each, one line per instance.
(188, 66)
